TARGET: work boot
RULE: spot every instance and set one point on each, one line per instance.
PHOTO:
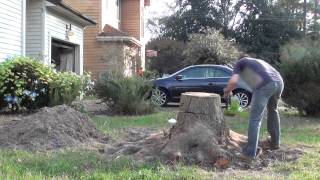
(268, 145)
(248, 159)
(243, 157)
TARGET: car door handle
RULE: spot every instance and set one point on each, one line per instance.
(210, 84)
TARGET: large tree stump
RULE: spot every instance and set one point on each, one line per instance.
(200, 135)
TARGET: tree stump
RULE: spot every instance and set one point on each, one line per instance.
(200, 135)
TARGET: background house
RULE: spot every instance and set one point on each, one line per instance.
(47, 30)
(116, 43)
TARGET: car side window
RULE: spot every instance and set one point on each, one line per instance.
(221, 73)
(215, 72)
(193, 73)
(210, 72)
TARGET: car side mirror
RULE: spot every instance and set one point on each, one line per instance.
(179, 77)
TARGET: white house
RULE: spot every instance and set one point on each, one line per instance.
(47, 30)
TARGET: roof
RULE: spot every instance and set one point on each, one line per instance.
(110, 33)
(67, 10)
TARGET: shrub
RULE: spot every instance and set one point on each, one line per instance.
(301, 72)
(234, 107)
(127, 95)
(210, 48)
(65, 87)
(28, 83)
(150, 75)
(24, 82)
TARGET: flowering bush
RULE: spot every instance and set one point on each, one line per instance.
(24, 82)
(28, 83)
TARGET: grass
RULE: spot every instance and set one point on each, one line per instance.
(83, 165)
(308, 167)
(296, 131)
(114, 125)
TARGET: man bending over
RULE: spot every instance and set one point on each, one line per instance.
(267, 85)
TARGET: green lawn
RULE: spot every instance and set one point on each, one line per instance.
(77, 164)
(114, 125)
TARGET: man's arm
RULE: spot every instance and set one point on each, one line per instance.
(231, 85)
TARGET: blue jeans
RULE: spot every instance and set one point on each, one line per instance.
(266, 96)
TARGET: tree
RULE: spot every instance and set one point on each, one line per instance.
(170, 55)
(301, 73)
(315, 25)
(265, 27)
(194, 16)
(210, 48)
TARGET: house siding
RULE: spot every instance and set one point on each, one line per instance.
(34, 29)
(99, 56)
(11, 28)
(130, 17)
(56, 28)
(94, 60)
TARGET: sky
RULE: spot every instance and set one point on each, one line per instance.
(157, 8)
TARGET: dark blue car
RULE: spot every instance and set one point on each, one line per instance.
(198, 78)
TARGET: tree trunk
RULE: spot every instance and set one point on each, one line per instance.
(200, 135)
(305, 17)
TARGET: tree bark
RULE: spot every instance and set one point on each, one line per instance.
(200, 133)
(305, 17)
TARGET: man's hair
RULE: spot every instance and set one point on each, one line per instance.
(243, 55)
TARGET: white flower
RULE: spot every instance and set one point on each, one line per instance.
(26, 92)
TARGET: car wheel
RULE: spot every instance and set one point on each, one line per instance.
(159, 97)
(244, 98)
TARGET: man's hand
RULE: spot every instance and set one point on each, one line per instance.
(227, 93)
(231, 86)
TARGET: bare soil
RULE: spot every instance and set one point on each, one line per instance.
(48, 129)
(145, 145)
(64, 127)
(93, 107)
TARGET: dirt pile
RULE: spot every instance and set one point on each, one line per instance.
(47, 129)
(95, 107)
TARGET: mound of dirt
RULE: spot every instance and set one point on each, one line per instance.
(47, 129)
(95, 107)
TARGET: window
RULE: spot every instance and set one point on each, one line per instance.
(194, 73)
(210, 72)
(220, 73)
(215, 72)
(112, 13)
